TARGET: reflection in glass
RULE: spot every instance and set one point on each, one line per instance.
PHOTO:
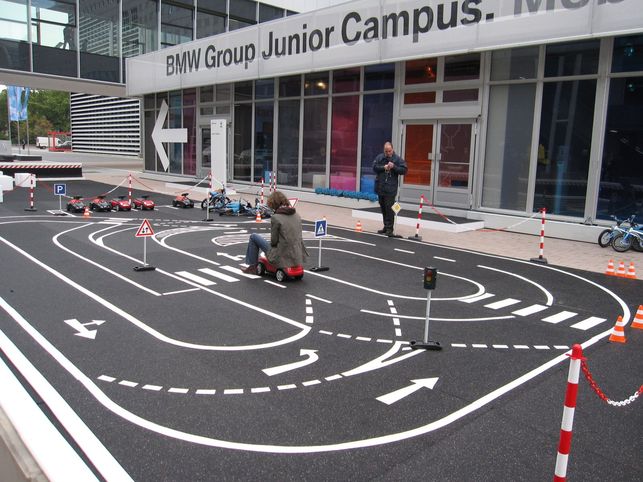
(346, 80)
(264, 129)
(343, 150)
(379, 77)
(314, 143)
(176, 25)
(572, 58)
(316, 83)
(241, 164)
(455, 155)
(421, 71)
(418, 146)
(628, 54)
(461, 67)
(377, 124)
(288, 143)
(98, 40)
(140, 27)
(565, 138)
(514, 64)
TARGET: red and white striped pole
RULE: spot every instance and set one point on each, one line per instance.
(31, 202)
(261, 191)
(273, 181)
(541, 258)
(564, 446)
(129, 188)
(417, 236)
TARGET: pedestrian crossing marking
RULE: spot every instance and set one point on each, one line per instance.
(238, 272)
(216, 274)
(193, 277)
(502, 303)
(558, 317)
(588, 323)
(530, 310)
(478, 298)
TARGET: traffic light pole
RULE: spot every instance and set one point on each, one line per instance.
(430, 279)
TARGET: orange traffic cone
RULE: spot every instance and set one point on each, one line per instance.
(621, 270)
(358, 227)
(638, 319)
(610, 268)
(618, 333)
(86, 212)
(631, 272)
(258, 217)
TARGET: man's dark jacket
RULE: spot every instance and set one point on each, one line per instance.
(386, 181)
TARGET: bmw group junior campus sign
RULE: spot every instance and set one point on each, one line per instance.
(368, 32)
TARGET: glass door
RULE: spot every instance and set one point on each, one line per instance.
(205, 148)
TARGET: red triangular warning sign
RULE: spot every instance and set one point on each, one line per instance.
(145, 229)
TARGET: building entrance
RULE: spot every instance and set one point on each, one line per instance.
(439, 155)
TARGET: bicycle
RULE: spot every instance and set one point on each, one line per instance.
(216, 200)
(632, 238)
(606, 236)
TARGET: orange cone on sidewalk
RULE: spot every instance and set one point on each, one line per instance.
(618, 333)
(638, 319)
(631, 272)
(258, 217)
(621, 270)
(358, 227)
(610, 268)
(86, 212)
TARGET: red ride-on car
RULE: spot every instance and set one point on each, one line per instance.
(143, 203)
(99, 203)
(121, 204)
(183, 201)
(292, 272)
(76, 204)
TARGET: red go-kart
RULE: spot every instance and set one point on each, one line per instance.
(121, 204)
(143, 203)
(99, 203)
(183, 201)
(293, 272)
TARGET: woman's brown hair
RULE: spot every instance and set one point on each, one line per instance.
(277, 199)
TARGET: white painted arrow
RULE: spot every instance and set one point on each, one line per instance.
(160, 135)
(312, 358)
(81, 328)
(393, 397)
(238, 257)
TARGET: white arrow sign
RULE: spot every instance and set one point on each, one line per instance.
(160, 135)
(393, 397)
(312, 358)
(81, 327)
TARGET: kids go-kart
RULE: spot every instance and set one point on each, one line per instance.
(144, 202)
(76, 205)
(281, 274)
(121, 204)
(99, 203)
(183, 201)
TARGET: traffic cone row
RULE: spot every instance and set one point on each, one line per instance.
(630, 273)
(358, 227)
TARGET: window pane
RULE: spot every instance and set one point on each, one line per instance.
(288, 147)
(423, 71)
(139, 27)
(455, 155)
(316, 83)
(461, 67)
(314, 143)
(242, 91)
(418, 145)
(16, 56)
(346, 80)
(208, 24)
(464, 95)
(176, 25)
(264, 89)
(213, 5)
(343, 151)
(575, 58)
(14, 19)
(242, 142)
(628, 54)
(514, 64)
(268, 12)
(99, 37)
(189, 148)
(377, 77)
(419, 98)
(376, 130)
(264, 128)
(509, 128)
(206, 94)
(234, 24)
(621, 188)
(244, 9)
(223, 92)
(565, 137)
(290, 86)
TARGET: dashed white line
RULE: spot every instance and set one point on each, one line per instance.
(233, 391)
(105, 378)
(309, 319)
(153, 388)
(363, 338)
(478, 345)
(444, 259)
(178, 390)
(260, 389)
(324, 332)
(273, 283)
(286, 387)
(333, 377)
(344, 335)
(180, 291)
(318, 298)
(311, 382)
(500, 346)
(127, 383)
(477, 298)
(197, 279)
(216, 274)
(403, 251)
(205, 391)
(383, 340)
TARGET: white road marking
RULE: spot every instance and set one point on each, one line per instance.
(530, 310)
(317, 298)
(178, 390)
(205, 391)
(478, 345)
(403, 251)
(196, 278)
(309, 319)
(105, 378)
(399, 394)
(521, 347)
(309, 310)
(286, 387)
(278, 285)
(216, 274)
(588, 323)
(558, 317)
(548, 295)
(502, 303)
(500, 346)
(233, 391)
(128, 383)
(259, 389)
(477, 298)
(154, 388)
(310, 383)
(311, 357)
(333, 377)
(238, 272)
(363, 338)
(344, 335)
(409, 317)
(398, 332)
(444, 259)
(180, 291)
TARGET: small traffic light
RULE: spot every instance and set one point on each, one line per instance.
(430, 277)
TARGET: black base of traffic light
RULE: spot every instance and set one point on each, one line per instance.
(415, 237)
(426, 345)
(144, 268)
(31, 209)
(320, 268)
(539, 260)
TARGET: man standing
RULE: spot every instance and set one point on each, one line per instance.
(388, 166)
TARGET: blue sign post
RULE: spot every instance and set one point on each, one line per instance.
(60, 190)
(321, 230)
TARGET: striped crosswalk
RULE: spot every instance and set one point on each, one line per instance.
(210, 277)
(552, 314)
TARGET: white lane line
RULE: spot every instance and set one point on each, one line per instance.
(128, 383)
(363, 338)
(238, 272)
(521, 347)
(318, 298)
(216, 274)
(478, 345)
(274, 284)
(153, 388)
(541, 347)
(459, 345)
(196, 278)
(588, 323)
(205, 391)
(390, 302)
(343, 335)
(180, 291)
(324, 332)
(561, 347)
(530, 310)
(105, 378)
(309, 310)
(503, 347)
(178, 390)
(502, 303)
(383, 340)
(309, 301)
(403, 251)
(444, 259)
(310, 383)
(286, 387)
(259, 389)
(548, 295)
(309, 319)
(233, 391)
(558, 317)
(398, 332)
(478, 298)
(333, 377)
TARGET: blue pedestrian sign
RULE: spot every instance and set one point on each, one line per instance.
(320, 228)
(60, 189)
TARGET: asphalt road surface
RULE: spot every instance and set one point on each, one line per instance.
(197, 371)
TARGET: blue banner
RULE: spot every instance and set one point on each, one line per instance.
(18, 100)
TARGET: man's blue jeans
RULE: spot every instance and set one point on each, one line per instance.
(256, 243)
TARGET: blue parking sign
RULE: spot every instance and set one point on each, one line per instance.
(60, 189)
(320, 228)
